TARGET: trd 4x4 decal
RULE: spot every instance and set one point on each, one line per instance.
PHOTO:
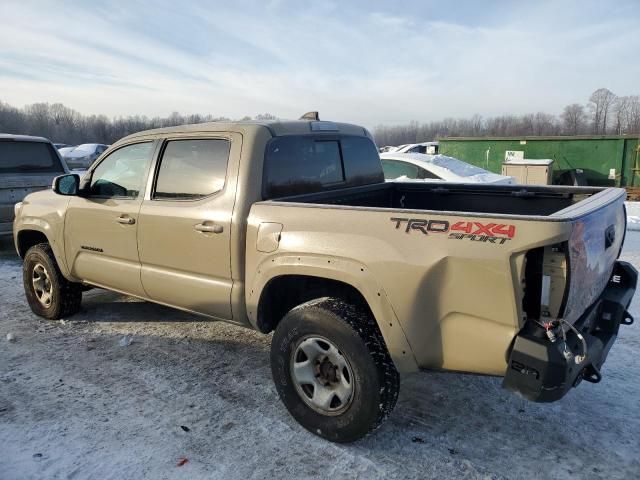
(498, 233)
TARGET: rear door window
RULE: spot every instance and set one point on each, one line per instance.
(28, 157)
(423, 173)
(395, 169)
(192, 169)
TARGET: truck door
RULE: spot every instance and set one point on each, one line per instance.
(100, 227)
(185, 225)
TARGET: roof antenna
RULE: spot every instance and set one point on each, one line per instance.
(310, 116)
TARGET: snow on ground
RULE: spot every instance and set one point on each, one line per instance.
(633, 215)
(76, 404)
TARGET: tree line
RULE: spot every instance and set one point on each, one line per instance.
(62, 124)
(604, 113)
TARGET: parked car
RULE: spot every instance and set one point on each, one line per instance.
(27, 164)
(387, 148)
(63, 151)
(430, 148)
(417, 166)
(61, 145)
(289, 227)
(82, 156)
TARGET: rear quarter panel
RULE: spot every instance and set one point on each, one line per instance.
(443, 300)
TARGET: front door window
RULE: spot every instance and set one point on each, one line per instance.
(122, 174)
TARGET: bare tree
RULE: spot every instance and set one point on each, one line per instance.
(11, 119)
(632, 116)
(620, 109)
(573, 119)
(600, 104)
(546, 124)
(39, 119)
(265, 116)
(477, 124)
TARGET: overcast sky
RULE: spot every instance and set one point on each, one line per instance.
(363, 61)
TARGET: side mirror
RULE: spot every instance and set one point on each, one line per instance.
(68, 185)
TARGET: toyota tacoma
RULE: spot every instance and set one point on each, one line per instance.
(289, 227)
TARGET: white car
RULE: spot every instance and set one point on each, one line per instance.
(65, 150)
(418, 166)
(82, 156)
(430, 148)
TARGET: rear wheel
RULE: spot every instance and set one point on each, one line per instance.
(48, 293)
(332, 369)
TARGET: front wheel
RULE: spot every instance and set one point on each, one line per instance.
(49, 294)
(332, 369)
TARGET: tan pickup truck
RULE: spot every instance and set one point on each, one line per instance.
(290, 227)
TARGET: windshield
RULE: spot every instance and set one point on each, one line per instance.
(18, 157)
(458, 167)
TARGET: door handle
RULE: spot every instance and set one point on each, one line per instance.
(126, 220)
(207, 227)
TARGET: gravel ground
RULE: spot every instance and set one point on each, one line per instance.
(74, 403)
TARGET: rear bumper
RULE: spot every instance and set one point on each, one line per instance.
(538, 369)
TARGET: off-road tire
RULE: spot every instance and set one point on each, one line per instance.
(66, 296)
(355, 333)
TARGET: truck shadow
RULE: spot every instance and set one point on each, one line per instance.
(105, 306)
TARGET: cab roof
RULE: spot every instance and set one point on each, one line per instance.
(275, 127)
(23, 138)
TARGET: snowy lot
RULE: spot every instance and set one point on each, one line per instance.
(633, 215)
(76, 404)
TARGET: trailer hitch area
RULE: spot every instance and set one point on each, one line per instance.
(591, 374)
(627, 319)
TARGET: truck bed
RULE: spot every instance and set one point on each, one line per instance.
(452, 259)
(474, 199)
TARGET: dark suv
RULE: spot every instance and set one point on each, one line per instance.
(27, 164)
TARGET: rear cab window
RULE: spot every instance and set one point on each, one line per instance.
(28, 157)
(297, 164)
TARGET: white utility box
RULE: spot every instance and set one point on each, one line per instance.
(529, 171)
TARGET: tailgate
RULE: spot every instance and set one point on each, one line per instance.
(597, 235)
(14, 187)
